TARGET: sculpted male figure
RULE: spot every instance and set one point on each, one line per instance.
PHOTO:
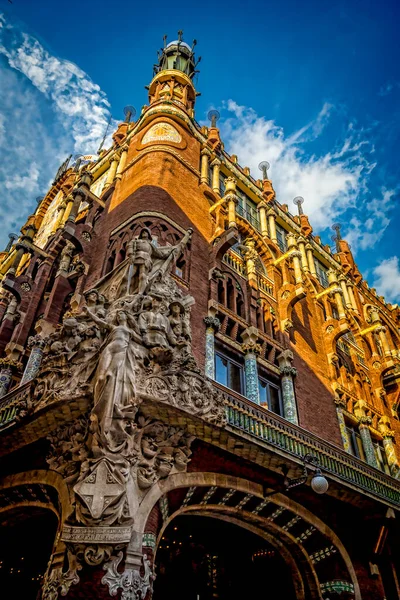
(155, 326)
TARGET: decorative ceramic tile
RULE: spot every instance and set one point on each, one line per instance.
(162, 132)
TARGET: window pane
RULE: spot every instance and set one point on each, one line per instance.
(262, 388)
(235, 377)
(221, 370)
(274, 399)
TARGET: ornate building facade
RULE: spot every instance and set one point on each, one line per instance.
(198, 398)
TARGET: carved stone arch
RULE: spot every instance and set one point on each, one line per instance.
(271, 537)
(249, 488)
(49, 479)
(265, 247)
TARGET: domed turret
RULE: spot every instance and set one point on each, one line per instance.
(177, 55)
(174, 74)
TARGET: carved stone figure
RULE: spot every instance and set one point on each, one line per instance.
(155, 326)
(114, 389)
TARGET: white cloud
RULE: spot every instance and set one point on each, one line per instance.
(364, 234)
(50, 108)
(330, 183)
(387, 279)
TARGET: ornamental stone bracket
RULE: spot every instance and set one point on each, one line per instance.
(333, 331)
(289, 296)
(132, 584)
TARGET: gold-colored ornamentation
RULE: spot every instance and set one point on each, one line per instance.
(162, 132)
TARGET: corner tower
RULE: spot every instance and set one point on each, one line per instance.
(174, 73)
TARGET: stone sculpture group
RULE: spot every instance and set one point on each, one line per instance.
(127, 349)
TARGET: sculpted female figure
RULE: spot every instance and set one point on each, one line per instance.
(114, 379)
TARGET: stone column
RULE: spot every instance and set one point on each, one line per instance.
(366, 439)
(231, 199)
(122, 162)
(215, 176)
(350, 287)
(310, 260)
(262, 212)
(212, 326)
(295, 256)
(37, 344)
(388, 435)
(60, 216)
(301, 242)
(288, 396)
(205, 157)
(380, 330)
(112, 170)
(336, 292)
(340, 404)
(272, 226)
(342, 282)
(251, 349)
(6, 372)
(69, 204)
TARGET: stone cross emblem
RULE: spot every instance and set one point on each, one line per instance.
(99, 489)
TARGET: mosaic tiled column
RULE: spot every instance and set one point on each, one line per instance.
(366, 439)
(251, 348)
(342, 424)
(37, 345)
(6, 372)
(288, 396)
(212, 325)
(388, 435)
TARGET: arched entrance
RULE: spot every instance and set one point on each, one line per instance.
(26, 540)
(204, 558)
(307, 551)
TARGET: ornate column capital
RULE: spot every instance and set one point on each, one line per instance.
(215, 163)
(36, 341)
(291, 240)
(294, 254)
(205, 151)
(287, 371)
(9, 364)
(212, 322)
(250, 341)
(251, 348)
(262, 204)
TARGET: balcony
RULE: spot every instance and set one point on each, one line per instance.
(271, 433)
(274, 432)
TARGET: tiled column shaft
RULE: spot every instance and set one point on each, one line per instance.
(342, 428)
(251, 373)
(391, 456)
(368, 445)
(212, 325)
(35, 359)
(5, 379)
(288, 396)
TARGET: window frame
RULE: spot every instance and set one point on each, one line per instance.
(263, 379)
(224, 356)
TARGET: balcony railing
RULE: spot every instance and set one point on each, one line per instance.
(273, 432)
(276, 432)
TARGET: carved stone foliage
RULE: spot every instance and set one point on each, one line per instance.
(134, 585)
(152, 451)
(58, 582)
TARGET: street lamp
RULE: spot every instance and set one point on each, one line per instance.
(319, 483)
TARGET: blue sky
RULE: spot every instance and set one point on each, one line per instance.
(312, 87)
